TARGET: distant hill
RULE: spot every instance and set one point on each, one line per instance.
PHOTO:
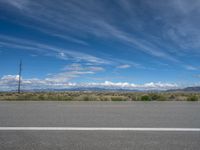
(88, 89)
(187, 89)
(96, 89)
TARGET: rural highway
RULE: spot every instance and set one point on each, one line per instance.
(99, 125)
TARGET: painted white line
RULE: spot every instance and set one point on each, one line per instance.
(95, 129)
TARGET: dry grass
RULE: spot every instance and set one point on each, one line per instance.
(98, 96)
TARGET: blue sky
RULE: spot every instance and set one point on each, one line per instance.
(140, 44)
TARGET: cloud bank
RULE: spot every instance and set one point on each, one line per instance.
(9, 83)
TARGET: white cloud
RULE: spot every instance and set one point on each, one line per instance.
(192, 68)
(124, 66)
(10, 77)
(96, 68)
(68, 75)
(126, 85)
(83, 67)
(9, 82)
(62, 54)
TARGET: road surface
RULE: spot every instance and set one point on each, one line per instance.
(161, 125)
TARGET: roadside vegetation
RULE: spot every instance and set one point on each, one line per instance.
(98, 96)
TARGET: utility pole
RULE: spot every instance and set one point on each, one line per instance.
(20, 72)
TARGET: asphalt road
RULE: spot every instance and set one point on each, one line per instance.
(100, 114)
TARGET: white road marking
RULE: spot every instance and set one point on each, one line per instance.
(95, 129)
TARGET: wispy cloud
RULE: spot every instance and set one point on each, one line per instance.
(124, 66)
(177, 26)
(196, 76)
(55, 22)
(189, 67)
(49, 50)
(181, 25)
(19, 4)
(143, 45)
(74, 70)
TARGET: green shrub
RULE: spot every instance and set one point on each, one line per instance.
(192, 98)
(154, 96)
(145, 98)
(41, 97)
(67, 98)
(118, 98)
(157, 97)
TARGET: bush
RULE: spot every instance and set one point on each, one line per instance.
(145, 98)
(105, 98)
(134, 98)
(86, 98)
(154, 96)
(172, 97)
(41, 97)
(181, 98)
(192, 98)
(157, 97)
(118, 98)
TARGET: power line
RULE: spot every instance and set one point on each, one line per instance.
(20, 72)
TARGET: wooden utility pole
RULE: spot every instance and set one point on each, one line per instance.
(20, 72)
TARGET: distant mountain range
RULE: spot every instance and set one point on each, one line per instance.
(96, 89)
(93, 89)
(187, 89)
(82, 89)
